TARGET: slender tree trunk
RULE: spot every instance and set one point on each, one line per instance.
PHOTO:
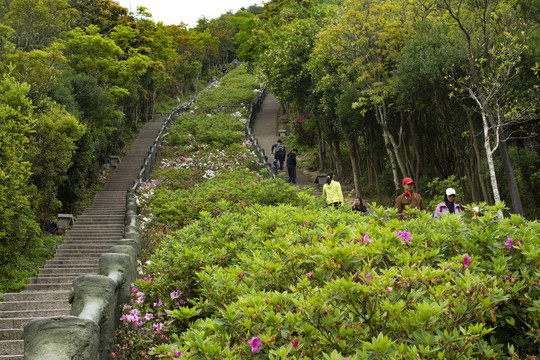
(355, 162)
(380, 115)
(489, 153)
(510, 177)
(322, 153)
(338, 158)
(478, 161)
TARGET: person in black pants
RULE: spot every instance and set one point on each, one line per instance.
(291, 165)
(279, 151)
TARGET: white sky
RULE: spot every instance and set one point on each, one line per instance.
(172, 12)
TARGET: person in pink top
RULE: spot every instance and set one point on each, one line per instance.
(448, 206)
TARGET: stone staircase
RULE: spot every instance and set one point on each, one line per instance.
(98, 228)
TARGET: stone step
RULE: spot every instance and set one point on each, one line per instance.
(37, 296)
(52, 279)
(71, 263)
(14, 323)
(89, 238)
(11, 347)
(47, 287)
(68, 271)
(104, 242)
(34, 313)
(34, 305)
(75, 252)
(11, 334)
(83, 246)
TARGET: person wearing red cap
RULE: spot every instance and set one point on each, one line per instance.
(409, 199)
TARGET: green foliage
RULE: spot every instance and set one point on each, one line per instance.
(51, 152)
(240, 266)
(17, 226)
(237, 87)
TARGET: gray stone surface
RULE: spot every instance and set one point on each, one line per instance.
(61, 338)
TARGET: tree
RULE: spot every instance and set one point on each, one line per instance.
(36, 23)
(492, 54)
(17, 226)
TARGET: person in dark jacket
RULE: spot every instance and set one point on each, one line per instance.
(291, 165)
(279, 151)
(359, 206)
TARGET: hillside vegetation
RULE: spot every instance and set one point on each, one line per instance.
(241, 266)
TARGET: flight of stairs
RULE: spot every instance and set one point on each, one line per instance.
(98, 228)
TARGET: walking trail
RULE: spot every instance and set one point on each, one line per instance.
(98, 228)
(265, 129)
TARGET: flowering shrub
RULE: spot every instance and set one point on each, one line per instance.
(297, 279)
(242, 267)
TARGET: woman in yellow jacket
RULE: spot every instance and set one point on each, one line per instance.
(332, 191)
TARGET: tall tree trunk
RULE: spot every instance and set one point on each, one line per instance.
(322, 152)
(381, 119)
(355, 162)
(489, 150)
(380, 115)
(338, 158)
(510, 177)
(478, 161)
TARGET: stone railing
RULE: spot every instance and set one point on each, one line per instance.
(88, 333)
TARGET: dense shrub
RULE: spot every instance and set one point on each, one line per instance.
(245, 267)
(236, 88)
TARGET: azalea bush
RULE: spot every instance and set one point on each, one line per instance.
(304, 282)
(239, 266)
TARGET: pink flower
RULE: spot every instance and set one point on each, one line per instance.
(158, 303)
(367, 239)
(368, 277)
(295, 343)
(389, 290)
(405, 236)
(149, 316)
(466, 261)
(157, 326)
(176, 294)
(255, 344)
(177, 353)
(308, 275)
(510, 243)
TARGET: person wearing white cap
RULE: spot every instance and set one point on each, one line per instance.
(448, 206)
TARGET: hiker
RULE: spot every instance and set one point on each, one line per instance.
(358, 206)
(332, 191)
(448, 206)
(278, 150)
(291, 165)
(408, 199)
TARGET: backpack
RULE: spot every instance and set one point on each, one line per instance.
(280, 151)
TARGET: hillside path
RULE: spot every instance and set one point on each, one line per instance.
(100, 226)
(265, 129)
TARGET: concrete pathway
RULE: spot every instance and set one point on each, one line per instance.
(98, 228)
(265, 129)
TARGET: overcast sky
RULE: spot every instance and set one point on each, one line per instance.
(172, 12)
